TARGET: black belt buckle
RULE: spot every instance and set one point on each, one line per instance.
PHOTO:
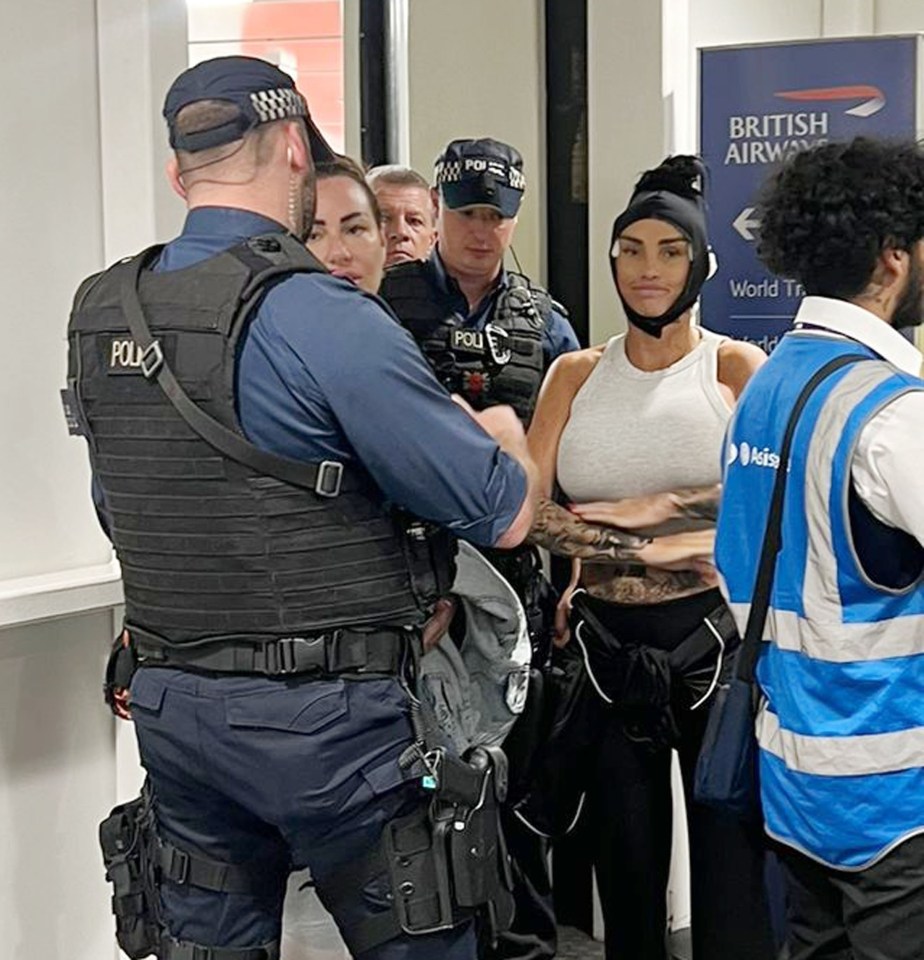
(177, 867)
(346, 651)
(291, 655)
(328, 479)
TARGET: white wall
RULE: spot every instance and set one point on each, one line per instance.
(57, 781)
(52, 236)
(626, 130)
(897, 16)
(476, 70)
(81, 169)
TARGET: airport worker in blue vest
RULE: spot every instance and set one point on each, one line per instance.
(840, 728)
(282, 477)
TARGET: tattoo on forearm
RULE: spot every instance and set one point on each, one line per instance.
(697, 503)
(564, 534)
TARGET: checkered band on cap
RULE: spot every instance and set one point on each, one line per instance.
(470, 168)
(516, 179)
(279, 104)
(449, 171)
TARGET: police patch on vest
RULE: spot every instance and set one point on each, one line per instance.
(122, 356)
(468, 341)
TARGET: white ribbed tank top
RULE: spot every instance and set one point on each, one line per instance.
(635, 432)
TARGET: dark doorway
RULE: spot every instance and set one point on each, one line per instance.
(566, 139)
(373, 51)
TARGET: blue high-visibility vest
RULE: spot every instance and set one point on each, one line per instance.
(841, 729)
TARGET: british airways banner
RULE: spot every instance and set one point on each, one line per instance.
(760, 104)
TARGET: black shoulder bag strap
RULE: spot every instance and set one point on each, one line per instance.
(322, 478)
(773, 541)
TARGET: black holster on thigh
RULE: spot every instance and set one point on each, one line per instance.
(129, 840)
(445, 864)
(138, 861)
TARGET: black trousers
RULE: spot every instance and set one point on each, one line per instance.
(630, 817)
(533, 935)
(871, 914)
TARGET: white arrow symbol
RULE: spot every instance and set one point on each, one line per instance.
(744, 224)
(868, 108)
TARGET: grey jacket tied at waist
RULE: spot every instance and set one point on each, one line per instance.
(477, 688)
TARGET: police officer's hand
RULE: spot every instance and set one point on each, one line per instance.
(502, 423)
(120, 703)
(504, 426)
(435, 628)
(563, 610)
(117, 696)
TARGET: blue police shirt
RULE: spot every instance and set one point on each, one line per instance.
(558, 336)
(325, 373)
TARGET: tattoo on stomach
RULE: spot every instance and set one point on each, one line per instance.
(638, 584)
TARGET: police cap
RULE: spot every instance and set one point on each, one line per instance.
(481, 172)
(261, 92)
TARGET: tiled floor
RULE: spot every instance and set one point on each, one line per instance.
(576, 945)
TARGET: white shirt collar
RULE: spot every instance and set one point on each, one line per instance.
(849, 320)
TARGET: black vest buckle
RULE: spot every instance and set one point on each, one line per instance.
(177, 867)
(498, 340)
(296, 655)
(330, 476)
(152, 359)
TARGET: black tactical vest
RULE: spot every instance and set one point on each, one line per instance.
(503, 363)
(211, 546)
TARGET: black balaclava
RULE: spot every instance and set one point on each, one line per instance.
(689, 217)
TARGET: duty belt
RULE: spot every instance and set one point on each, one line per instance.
(338, 651)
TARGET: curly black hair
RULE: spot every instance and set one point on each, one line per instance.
(682, 175)
(829, 211)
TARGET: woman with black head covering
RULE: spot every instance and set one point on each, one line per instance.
(630, 431)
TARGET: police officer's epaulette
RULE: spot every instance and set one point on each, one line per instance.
(84, 289)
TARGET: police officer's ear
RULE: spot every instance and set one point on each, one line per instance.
(175, 178)
(297, 153)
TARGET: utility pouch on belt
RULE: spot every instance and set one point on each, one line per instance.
(120, 668)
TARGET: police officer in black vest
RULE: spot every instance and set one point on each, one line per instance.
(490, 334)
(281, 475)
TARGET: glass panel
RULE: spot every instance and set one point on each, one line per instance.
(303, 37)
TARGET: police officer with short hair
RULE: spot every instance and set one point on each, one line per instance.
(490, 334)
(281, 473)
